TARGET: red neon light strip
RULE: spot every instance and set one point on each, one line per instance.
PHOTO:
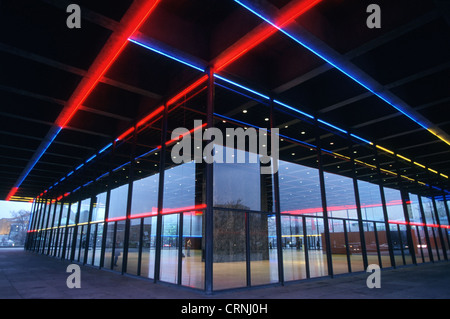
(287, 15)
(184, 134)
(11, 193)
(188, 89)
(150, 116)
(338, 208)
(115, 45)
(401, 222)
(165, 211)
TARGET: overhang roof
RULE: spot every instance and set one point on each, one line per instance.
(43, 62)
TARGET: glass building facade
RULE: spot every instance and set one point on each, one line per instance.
(332, 204)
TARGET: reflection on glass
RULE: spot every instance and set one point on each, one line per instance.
(229, 252)
(372, 244)
(370, 198)
(417, 233)
(339, 246)
(179, 186)
(107, 263)
(340, 196)
(98, 241)
(118, 246)
(134, 252)
(394, 204)
(299, 189)
(145, 196)
(193, 268)
(383, 245)
(118, 202)
(237, 185)
(315, 241)
(263, 249)
(294, 249)
(169, 248)
(148, 247)
(84, 211)
(345, 239)
(98, 211)
(428, 210)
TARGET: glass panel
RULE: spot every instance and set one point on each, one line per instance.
(406, 252)
(69, 242)
(84, 211)
(169, 248)
(355, 247)
(148, 247)
(134, 246)
(118, 202)
(98, 211)
(90, 243)
(82, 233)
(97, 249)
(246, 194)
(372, 242)
(118, 247)
(370, 197)
(315, 239)
(340, 196)
(109, 245)
(415, 216)
(229, 252)
(394, 204)
(429, 220)
(422, 245)
(338, 246)
(179, 187)
(299, 189)
(193, 267)
(263, 249)
(145, 196)
(397, 244)
(293, 243)
(383, 245)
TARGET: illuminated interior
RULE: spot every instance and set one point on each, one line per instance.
(361, 177)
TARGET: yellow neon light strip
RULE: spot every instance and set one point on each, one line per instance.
(404, 158)
(385, 149)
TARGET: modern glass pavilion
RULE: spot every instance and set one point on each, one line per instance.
(334, 202)
(335, 205)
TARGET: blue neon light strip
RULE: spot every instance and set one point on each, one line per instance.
(119, 167)
(87, 183)
(360, 138)
(101, 176)
(227, 87)
(147, 153)
(241, 86)
(20, 181)
(105, 148)
(293, 109)
(261, 128)
(331, 125)
(79, 166)
(334, 64)
(167, 55)
(91, 158)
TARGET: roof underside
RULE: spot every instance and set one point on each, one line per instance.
(43, 62)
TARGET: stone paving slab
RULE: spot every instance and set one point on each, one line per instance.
(28, 275)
